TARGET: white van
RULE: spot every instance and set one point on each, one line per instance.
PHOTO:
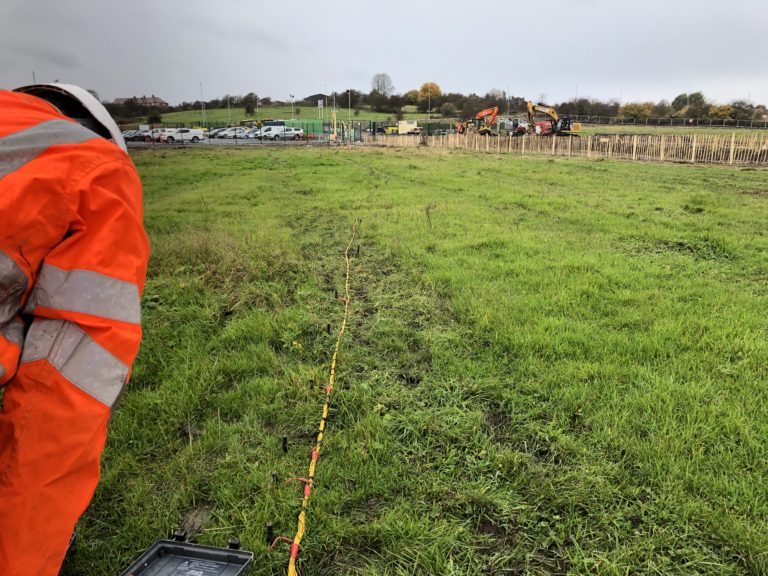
(271, 132)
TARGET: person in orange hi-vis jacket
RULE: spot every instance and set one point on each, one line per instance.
(73, 259)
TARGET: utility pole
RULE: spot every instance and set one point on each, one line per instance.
(33, 77)
(202, 102)
(349, 106)
(229, 111)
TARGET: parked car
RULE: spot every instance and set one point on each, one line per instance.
(156, 134)
(252, 133)
(183, 135)
(214, 132)
(292, 134)
(272, 132)
(236, 132)
(128, 134)
(141, 136)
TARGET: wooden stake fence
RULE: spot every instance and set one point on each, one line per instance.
(729, 149)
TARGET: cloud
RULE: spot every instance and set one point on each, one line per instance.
(47, 56)
(601, 48)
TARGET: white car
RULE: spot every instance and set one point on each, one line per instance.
(232, 132)
(183, 135)
(157, 134)
(292, 134)
(271, 132)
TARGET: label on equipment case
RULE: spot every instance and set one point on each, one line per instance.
(198, 568)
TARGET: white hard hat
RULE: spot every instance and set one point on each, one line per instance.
(80, 105)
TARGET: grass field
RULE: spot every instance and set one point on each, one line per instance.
(551, 366)
(300, 113)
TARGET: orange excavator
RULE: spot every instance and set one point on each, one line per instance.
(482, 122)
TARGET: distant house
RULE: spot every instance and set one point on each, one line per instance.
(151, 101)
(314, 98)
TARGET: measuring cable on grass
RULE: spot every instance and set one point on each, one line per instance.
(310, 479)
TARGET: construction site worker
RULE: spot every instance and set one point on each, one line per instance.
(73, 258)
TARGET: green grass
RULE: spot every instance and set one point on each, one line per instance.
(551, 366)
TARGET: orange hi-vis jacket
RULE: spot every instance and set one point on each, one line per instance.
(73, 258)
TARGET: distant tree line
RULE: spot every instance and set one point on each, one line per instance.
(430, 99)
(693, 105)
(133, 108)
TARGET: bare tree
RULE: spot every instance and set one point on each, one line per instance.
(382, 84)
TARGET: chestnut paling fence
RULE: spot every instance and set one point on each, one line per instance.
(725, 149)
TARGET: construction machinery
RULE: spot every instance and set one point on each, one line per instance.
(556, 125)
(482, 123)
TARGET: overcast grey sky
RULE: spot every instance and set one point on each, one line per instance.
(606, 49)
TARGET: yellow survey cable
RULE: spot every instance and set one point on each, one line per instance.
(309, 481)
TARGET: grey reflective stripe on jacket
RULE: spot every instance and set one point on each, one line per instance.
(77, 357)
(13, 284)
(20, 147)
(14, 332)
(86, 292)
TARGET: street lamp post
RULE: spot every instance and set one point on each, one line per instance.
(202, 103)
(291, 95)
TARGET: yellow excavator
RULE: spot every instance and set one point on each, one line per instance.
(556, 125)
(482, 123)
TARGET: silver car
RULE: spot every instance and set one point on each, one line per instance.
(290, 133)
